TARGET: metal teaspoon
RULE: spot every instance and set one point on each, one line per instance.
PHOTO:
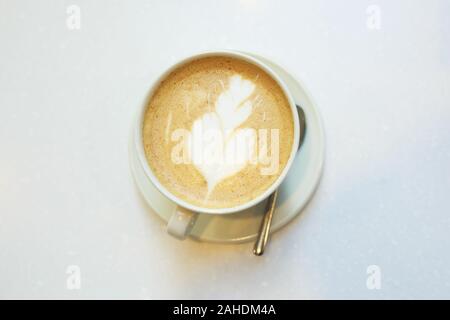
(264, 230)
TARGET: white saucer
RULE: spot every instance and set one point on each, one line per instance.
(298, 187)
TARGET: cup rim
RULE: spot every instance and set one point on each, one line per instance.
(140, 145)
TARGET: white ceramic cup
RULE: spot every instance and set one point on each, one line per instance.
(185, 213)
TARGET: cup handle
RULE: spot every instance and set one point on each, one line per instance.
(181, 222)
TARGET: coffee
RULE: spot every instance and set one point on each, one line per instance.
(218, 131)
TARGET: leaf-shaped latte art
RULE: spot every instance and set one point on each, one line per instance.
(217, 147)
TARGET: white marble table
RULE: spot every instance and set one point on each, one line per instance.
(379, 71)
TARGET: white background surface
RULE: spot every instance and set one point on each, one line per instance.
(67, 99)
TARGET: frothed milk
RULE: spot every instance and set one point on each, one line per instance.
(217, 132)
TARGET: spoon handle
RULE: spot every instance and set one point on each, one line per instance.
(263, 234)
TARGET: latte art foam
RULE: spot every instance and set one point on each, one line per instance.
(230, 147)
(218, 132)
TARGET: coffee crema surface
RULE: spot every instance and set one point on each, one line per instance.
(218, 132)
